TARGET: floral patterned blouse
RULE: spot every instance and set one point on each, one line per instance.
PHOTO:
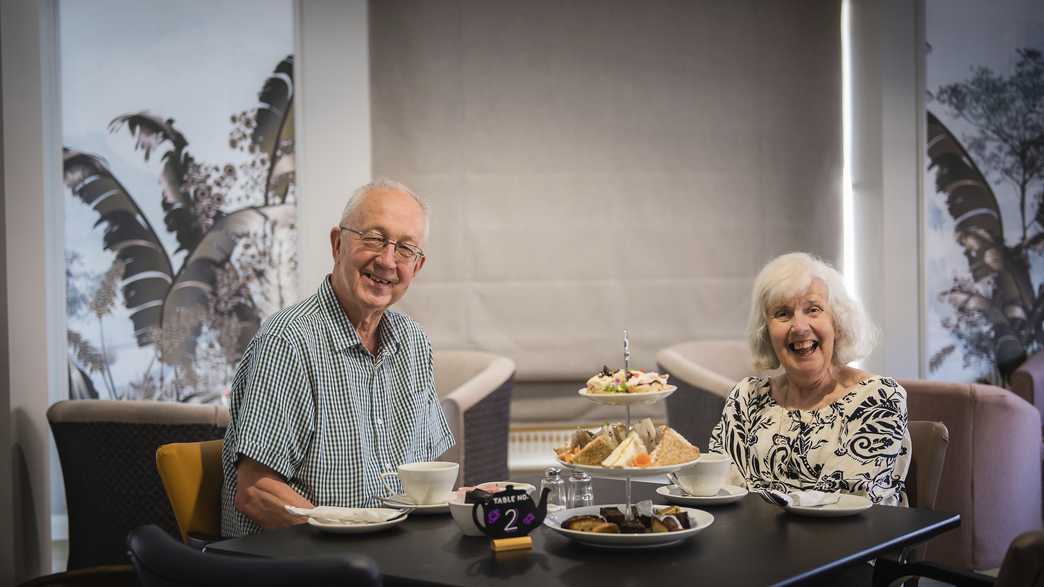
(859, 444)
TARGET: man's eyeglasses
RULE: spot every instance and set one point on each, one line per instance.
(377, 242)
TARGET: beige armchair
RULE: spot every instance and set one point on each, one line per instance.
(475, 389)
(704, 372)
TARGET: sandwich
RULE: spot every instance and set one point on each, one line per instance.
(625, 454)
(649, 433)
(645, 381)
(673, 449)
(596, 450)
(629, 381)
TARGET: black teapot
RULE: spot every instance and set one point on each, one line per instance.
(509, 513)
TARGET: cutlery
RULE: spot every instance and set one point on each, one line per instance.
(773, 497)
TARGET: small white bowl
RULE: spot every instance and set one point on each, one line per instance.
(461, 511)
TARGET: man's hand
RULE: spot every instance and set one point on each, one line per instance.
(261, 494)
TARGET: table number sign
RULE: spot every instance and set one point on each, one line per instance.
(509, 514)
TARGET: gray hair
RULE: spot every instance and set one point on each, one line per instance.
(390, 184)
(791, 274)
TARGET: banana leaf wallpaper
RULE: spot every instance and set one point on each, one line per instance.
(984, 188)
(180, 191)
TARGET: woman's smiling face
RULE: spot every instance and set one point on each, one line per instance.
(802, 331)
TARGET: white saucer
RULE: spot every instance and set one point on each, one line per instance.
(846, 506)
(356, 527)
(402, 502)
(727, 494)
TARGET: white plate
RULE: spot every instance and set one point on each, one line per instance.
(846, 506)
(402, 502)
(726, 494)
(698, 519)
(627, 399)
(356, 527)
(624, 472)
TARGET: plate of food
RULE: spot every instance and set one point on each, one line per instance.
(651, 527)
(615, 452)
(619, 388)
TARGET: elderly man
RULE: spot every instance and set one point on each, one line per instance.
(336, 389)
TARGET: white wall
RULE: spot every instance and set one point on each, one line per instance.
(333, 130)
(596, 166)
(34, 268)
(886, 160)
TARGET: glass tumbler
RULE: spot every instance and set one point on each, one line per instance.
(580, 492)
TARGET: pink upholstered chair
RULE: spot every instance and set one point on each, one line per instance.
(992, 471)
(1028, 382)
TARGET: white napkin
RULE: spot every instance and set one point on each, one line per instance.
(338, 515)
(812, 497)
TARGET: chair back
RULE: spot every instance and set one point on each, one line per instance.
(1023, 564)
(475, 392)
(992, 471)
(107, 449)
(192, 476)
(930, 441)
(162, 561)
(704, 372)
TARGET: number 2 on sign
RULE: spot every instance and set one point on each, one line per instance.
(510, 526)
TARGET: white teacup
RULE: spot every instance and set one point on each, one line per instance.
(705, 477)
(426, 483)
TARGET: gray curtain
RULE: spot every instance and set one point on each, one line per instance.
(595, 166)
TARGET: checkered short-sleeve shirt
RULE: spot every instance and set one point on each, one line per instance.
(311, 402)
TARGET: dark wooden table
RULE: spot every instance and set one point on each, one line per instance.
(749, 543)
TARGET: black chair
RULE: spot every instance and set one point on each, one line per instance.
(1023, 566)
(162, 561)
(108, 453)
(103, 576)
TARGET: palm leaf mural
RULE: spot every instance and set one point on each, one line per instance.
(227, 252)
(189, 298)
(150, 133)
(979, 230)
(275, 129)
(128, 234)
(80, 384)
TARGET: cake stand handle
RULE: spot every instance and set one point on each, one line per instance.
(627, 514)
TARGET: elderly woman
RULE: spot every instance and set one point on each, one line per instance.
(819, 423)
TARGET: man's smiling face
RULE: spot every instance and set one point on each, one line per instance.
(802, 331)
(368, 281)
